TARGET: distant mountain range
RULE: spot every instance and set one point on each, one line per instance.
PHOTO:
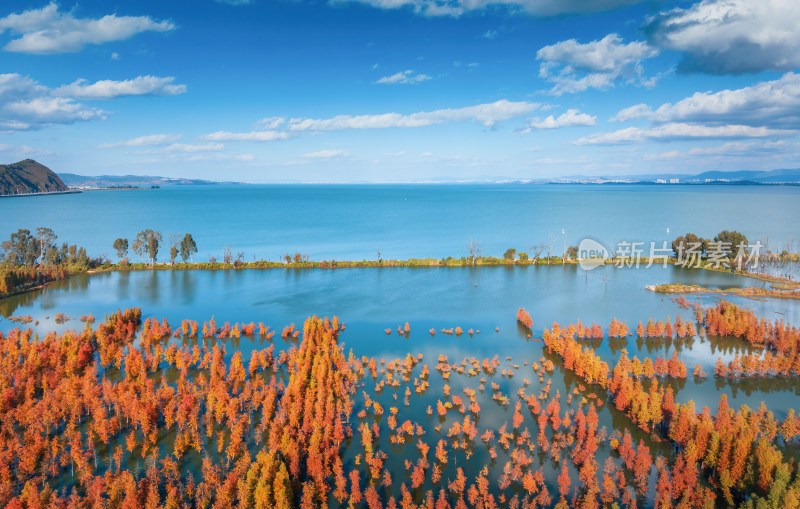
(787, 176)
(99, 181)
(762, 177)
(28, 177)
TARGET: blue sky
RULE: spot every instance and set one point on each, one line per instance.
(400, 90)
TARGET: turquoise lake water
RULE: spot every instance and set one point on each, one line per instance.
(353, 222)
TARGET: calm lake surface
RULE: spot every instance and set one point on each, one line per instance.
(354, 221)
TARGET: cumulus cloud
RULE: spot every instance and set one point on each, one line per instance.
(27, 104)
(770, 103)
(109, 89)
(731, 36)
(571, 118)
(47, 31)
(485, 114)
(533, 7)
(327, 154)
(404, 78)
(574, 67)
(144, 141)
(680, 131)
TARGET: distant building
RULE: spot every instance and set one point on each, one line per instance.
(661, 181)
(674, 181)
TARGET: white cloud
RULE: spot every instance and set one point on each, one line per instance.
(199, 147)
(213, 156)
(25, 104)
(731, 36)
(271, 123)
(404, 78)
(571, 118)
(144, 141)
(248, 136)
(109, 89)
(236, 2)
(490, 34)
(485, 114)
(560, 161)
(632, 113)
(47, 31)
(574, 67)
(680, 131)
(769, 103)
(115, 56)
(534, 7)
(60, 110)
(23, 151)
(327, 154)
(736, 150)
(672, 154)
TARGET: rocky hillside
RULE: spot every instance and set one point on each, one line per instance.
(27, 177)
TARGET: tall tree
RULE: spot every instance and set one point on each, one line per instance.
(46, 238)
(121, 247)
(23, 249)
(146, 245)
(173, 241)
(731, 241)
(681, 244)
(188, 247)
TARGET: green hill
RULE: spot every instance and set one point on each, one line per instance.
(28, 176)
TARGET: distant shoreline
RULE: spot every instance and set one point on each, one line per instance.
(46, 193)
(118, 188)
